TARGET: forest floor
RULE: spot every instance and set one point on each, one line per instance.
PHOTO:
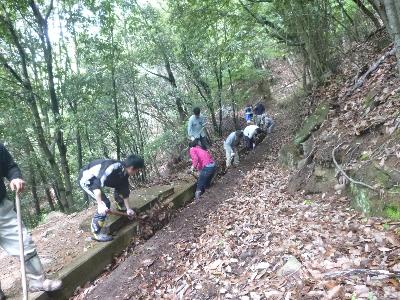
(247, 238)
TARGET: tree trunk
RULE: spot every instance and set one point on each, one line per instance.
(115, 99)
(392, 11)
(379, 7)
(233, 99)
(30, 99)
(178, 100)
(48, 56)
(47, 190)
(138, 122)
(218, 76)
(368, 13)
(33, 182)
(32, 176)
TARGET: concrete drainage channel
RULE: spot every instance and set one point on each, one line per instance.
(92, 263)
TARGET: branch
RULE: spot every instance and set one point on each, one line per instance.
(49, 10)
(10, 69)
(36, 12)
(156, 74)
(290, 41)
(369, 272)
(344, 173)
(361, 79)
(7, 22)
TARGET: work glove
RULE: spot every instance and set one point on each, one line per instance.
(102, 208)
(130, 212)
(192, 138)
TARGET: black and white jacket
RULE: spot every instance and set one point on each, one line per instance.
(105, 173)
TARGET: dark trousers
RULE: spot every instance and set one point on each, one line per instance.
(248, 142)
(205, 177)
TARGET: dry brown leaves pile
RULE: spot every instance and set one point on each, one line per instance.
(373, 107)
(263, 243)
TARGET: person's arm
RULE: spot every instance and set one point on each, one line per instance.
(230, 141)
(190, 127)
(124, 191)
(97, 194)
(194, 157)
(12, 171)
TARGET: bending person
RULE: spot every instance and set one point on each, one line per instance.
(203, 162)
(231, 148)
(9, 239)
(102, 173)
(250, 133)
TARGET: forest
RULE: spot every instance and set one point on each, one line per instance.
(87, 79)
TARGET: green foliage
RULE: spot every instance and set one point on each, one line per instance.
(127, 75)
(392, 212)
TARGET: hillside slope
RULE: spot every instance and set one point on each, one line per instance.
(350, 144)
(250, 239)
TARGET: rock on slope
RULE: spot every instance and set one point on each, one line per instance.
(358, 115)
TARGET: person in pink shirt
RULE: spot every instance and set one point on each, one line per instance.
(203, 162)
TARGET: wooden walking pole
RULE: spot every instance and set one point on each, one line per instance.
(21, 247)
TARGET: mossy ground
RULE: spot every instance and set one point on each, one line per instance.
(311, 123)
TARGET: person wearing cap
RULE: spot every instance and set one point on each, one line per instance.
(111, 173)
(231, 148)
(203, 162)
(9, 239)
(250, 133)
(196, 131)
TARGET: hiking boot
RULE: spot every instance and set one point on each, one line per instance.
(36, 278)
(46, 285)
(102, 237)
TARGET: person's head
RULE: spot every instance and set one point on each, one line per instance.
(239, 134)
(133, 164)
(196, 111)
(193, 144)
(258, 130)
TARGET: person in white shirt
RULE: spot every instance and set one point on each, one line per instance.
(231, 148)
(196, 128)
(250, 133)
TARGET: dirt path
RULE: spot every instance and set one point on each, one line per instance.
(248, 239)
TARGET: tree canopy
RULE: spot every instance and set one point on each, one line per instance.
(86, 79)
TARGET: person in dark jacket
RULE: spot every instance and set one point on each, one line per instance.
(259, 110)
(102, 173)
(9, 239)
